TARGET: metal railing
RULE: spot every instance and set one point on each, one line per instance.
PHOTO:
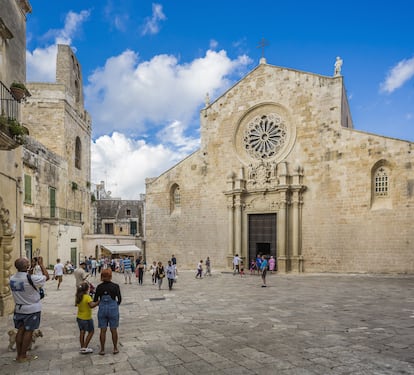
(60, 213)
(9, 107)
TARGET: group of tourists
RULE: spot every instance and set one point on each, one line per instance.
(261, 264)
(27, 288)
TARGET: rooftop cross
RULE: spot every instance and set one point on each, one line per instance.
(262, 44)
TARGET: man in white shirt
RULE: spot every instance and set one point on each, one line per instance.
(236, 264)
(58, 272)
(80, 274)
(28, 306)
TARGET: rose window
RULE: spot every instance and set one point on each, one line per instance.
(264, 136)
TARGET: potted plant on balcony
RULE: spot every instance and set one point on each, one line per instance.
(19, 91)
(13, 129)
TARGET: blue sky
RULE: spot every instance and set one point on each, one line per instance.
(171, 53)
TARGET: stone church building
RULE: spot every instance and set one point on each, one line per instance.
(281, 171)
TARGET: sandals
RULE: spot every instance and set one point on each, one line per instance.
(27, 359)
(116, 351)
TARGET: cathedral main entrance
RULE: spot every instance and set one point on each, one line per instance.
(262, 235)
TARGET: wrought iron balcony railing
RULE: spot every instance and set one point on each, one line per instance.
(61, 213)
(9, 106)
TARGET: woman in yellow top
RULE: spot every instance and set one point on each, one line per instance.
(85, 305)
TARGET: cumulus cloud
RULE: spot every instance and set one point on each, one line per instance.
(41, 62)
(145, 114)
(123, 164)
(152, 24)
(127, 94)
(398, 75)
(154, 102)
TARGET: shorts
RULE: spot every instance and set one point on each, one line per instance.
(30, 322)
(59, 278)
(108, 314)
(85, 325)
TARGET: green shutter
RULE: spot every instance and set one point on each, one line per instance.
(27, 188)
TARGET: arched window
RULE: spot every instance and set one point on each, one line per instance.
(381, 182)
(78, 153)
(175, 197)
(381, 185)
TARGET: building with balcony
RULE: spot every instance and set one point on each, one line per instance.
(12, 69)
(56, 164)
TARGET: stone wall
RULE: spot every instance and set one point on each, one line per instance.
(331, 222)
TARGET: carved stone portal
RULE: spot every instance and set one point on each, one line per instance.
(6, 248)
(269, 188)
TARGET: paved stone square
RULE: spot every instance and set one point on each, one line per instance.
(300, 324)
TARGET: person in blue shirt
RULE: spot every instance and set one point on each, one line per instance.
(127, 269)
(263, 269)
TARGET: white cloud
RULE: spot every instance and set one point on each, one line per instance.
(151, 25)
(41, 63)
(157, 99)
(123, 164)
(398, 75)
(127, 94)
(153, 101)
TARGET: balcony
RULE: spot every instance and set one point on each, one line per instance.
(11, 131)
(60, 213)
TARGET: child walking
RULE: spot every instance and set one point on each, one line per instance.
(84, 319)
(200, 269)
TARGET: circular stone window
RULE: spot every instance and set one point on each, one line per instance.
(264, 133)
(264, 136)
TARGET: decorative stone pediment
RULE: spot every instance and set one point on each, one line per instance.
(261, 175)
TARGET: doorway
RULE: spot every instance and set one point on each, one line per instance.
(262, 235)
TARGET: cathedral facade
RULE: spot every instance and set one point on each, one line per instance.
(281, 171)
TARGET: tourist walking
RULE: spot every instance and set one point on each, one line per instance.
(58, 270)
(94, 266)
(272, 263)
(80, 274)
(200, 269)
(28, 307)
(84, 302)
(153, 270)
(159, 274)
(140, 269)
(208, 267)
(263, 269)
(241, 268)
(236, 264)
(170, 274)
(127, 267)
(108, 294)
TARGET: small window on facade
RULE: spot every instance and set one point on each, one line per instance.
(381, 182)
(78, 153)
(27, 188)
(133, 228)
(177, 197)
(128, 212)
(52, 201)
(109, 228)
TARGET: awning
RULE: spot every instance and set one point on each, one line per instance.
(121, 249)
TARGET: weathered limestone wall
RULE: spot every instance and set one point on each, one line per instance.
(341, 229)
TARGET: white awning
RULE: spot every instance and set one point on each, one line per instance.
(121, 249)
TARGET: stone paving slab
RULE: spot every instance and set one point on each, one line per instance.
(299, 325)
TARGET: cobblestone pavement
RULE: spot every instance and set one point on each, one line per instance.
(225, 324)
